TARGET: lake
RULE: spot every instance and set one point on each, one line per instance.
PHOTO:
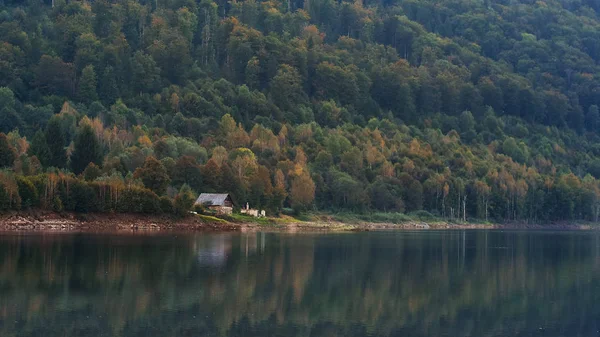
(404, 283)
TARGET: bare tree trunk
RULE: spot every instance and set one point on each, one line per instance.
(486, 209)
(443, 207)
(465, 208)
(458, 213)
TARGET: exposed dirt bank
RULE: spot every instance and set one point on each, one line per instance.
(71, 222)
(412, 225)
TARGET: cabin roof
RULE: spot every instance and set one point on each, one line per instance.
(214, 199)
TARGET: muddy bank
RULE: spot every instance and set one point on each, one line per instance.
(71, 222)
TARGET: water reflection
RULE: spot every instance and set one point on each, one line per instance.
(452, 283)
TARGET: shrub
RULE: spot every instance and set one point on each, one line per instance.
(139, 200)
(28, 192)
(184, 200)
(166, 205)
(82, 197)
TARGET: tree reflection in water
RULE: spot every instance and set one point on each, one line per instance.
(453, 283)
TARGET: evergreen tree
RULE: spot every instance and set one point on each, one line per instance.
(87, 150)
(108, 88)
(87, 85)
(9, 118)
(39, 148)
(592, 119)
(7, 152)
(56, 144)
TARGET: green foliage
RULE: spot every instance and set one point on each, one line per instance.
(477, 114)
(55, 137)
(166, 205)
(39, 148)
(87, 85)
(87, 150)
(27, 191)
(184, 201)
(7, 152)
(139, 200)
(154, 175)
(92, 172)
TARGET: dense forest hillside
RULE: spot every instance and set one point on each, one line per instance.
(466, 109)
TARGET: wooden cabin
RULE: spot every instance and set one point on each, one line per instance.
(218, 202)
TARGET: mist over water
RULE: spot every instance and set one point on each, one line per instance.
(422, 283)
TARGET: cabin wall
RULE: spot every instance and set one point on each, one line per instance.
(222, 209)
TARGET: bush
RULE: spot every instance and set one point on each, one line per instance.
(184, 200)
(57, 204)
(422, 215)
(28, 192)
(166, 205)
(82, 197)
(139, 200)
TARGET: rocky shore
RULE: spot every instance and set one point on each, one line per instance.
(72, 222)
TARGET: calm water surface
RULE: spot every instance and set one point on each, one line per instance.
(429, 283)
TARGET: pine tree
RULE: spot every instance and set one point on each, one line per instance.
(87, 150)
(39, 148)
(87, 85)
(55, 138)
(108, 88)
(7, 152)
(592, 119)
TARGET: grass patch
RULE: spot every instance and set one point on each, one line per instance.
(237, 217)
(210, 218)
(377, 217)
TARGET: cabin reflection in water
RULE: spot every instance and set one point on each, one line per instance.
(216, 251)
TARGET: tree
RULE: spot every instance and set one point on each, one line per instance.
(302, 192)
(253, 76)
(39, 148)
(279, 193)
(386, 195)
(87, 150)
(7, 152)
(53, 76)
(243, 162)
(9, 118)
(154, 175)
(86, 92)
(108, 89)
(55, 137)
(27, 191)
(592, 119)
(187, 171)
(92, 172)
(145, 73)
(211, 174)
(286, 88)
(184, 200)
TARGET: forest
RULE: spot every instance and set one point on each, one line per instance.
(460, 109)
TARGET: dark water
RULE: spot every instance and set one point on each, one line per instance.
(451, 283)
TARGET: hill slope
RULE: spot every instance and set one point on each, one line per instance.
(465, 109)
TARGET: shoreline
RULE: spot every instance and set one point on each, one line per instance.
(72, 222)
